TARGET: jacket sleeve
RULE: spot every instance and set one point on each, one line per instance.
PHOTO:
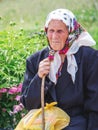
(31, 89)
(91, 92)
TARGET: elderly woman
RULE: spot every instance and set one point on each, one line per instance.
(71, 74)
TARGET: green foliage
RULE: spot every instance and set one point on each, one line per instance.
(15, 46)
(31, 14)
(11, 110)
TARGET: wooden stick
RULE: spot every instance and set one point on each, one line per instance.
(42, 103)
(51, 56)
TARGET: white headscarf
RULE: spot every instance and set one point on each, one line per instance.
(77, 36)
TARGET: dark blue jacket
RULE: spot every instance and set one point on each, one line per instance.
(79, 99)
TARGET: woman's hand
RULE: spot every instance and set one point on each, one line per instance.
(44, 67)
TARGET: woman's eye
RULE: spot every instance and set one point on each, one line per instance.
(51, 31)
(60, 31)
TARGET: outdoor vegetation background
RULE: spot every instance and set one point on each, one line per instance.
(22, 33)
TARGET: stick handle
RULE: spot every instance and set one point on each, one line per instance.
(42, 103)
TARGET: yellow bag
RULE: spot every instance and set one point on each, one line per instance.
(55, 119)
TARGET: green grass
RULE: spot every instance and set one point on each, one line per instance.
(31, 14)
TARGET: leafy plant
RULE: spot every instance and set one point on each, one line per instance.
(15, 46)
(11, 110)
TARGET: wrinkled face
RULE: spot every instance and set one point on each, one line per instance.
(57, 34)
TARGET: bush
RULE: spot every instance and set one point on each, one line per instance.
(15, 46)
(11, 110)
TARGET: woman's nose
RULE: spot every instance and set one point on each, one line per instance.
(55, 35)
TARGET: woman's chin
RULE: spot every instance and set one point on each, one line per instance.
(56, 49)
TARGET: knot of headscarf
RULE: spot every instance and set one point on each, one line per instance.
(77, 37)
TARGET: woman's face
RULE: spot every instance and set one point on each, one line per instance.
(57, 34)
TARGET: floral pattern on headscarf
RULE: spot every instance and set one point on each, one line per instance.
(68, 18)
(77, 37)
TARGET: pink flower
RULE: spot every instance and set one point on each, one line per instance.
(4, 109)
(19, 88)
(12, 90)
(18, 108)
(15, 89)
(3, 90)
(17, 98)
